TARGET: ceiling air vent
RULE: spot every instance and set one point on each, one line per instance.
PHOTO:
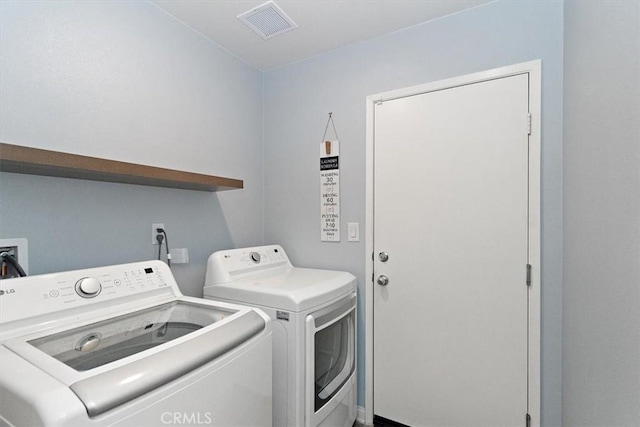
(268, 20)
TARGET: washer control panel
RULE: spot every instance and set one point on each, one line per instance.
(36, 295)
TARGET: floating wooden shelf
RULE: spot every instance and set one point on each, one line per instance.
(35, 161)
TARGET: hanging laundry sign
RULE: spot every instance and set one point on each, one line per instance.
(330, 191)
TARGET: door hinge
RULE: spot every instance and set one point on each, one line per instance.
(528, 123)
(528, 420)
(528, 274)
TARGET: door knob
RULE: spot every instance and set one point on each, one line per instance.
(382, 280)
(383, 256)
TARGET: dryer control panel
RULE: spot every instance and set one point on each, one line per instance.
(48, 293)
(227, 265)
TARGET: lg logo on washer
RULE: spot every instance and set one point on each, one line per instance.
(186, 418)
(8, 291)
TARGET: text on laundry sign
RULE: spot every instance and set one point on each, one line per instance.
(329, 163)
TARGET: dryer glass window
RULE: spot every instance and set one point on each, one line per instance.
(97, 344)
(334, 357)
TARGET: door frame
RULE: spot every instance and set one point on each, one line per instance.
(534, 69)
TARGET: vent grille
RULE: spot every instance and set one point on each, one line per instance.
(268, 20)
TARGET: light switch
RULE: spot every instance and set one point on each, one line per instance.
(353, 232)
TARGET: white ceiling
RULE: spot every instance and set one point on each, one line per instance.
(323, 25)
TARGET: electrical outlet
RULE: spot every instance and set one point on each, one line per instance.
(154, 232)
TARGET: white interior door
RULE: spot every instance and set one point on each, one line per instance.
(451, 211)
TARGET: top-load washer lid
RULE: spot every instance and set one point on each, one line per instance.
(100, 343)
(128, 333)
(264, 276)
(119, 359)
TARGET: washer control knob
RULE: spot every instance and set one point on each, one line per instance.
(255, 257)
(88, 287)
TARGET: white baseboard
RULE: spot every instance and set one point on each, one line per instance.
(360, 418)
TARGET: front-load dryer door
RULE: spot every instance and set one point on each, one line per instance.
(330, 357)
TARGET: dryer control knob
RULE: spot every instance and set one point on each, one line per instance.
(255, 257)
(88, 287)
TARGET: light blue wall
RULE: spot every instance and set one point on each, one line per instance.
(298, 97)
(124, 80)
(601, 335)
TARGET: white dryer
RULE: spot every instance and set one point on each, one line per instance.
(121, 345)
(313, 315)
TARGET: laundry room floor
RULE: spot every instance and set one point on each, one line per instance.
(382, 422)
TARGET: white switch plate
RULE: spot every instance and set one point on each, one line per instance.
(353, 231)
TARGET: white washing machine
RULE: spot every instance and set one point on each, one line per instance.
(313, 314)
(121, 345)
